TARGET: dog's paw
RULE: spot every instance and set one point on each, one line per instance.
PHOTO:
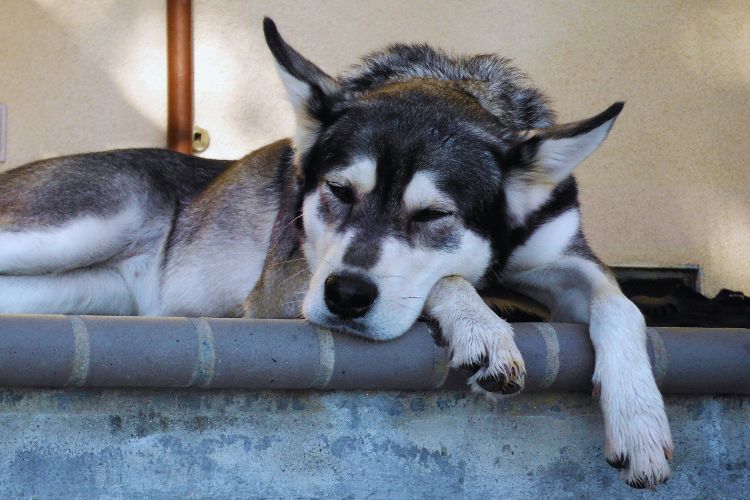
(639, 442)
(483, 343)
(495, 385)
(478, 383)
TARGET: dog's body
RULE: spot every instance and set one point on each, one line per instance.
(412, 180)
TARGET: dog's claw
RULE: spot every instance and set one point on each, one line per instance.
(641, 456)
(512, 387)
(493, 384)
(498, 382)
(642, 479)
(619, 462)
(638, 483)
(502, 383)
(472, 368)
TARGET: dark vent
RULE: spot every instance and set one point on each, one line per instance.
(656, 281)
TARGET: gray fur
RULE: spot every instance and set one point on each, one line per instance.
(190, 211)
(50, 192)
(493, 81)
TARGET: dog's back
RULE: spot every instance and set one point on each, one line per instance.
(52, 193)
(95, 233)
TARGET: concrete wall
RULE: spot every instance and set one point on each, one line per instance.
(181, 444)
(669, 187)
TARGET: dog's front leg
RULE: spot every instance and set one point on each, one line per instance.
(476, 337)
(638, 439)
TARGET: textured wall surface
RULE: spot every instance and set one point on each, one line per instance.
(82, 76)
(132, 444)
(670, 186)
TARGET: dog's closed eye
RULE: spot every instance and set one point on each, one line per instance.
(430, 215)
(343, 192)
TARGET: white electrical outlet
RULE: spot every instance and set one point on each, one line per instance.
(3, 130)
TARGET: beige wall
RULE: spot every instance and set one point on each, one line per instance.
(671, 185)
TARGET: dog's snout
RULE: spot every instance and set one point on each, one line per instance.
(349, 296)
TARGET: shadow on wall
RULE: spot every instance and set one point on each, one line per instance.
(72, 81)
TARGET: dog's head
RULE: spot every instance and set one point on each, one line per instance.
(415, 166)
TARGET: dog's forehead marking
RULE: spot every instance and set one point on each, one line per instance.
(422, 192)
(360, 174)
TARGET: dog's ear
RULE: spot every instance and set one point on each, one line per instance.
(556, 151)
(548, 156)
(311, 91)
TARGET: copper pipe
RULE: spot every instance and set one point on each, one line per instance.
(180, 76)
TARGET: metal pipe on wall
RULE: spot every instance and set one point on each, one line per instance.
(180, 76)
(92, 351)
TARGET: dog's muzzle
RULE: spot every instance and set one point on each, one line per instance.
(349, 296)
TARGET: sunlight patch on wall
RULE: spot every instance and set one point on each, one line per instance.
(141, 70)
(130, 47)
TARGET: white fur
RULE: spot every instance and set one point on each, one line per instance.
(636, 426)
(421, 192)
(635, 423)
(81, 242)
(547, 243)
(318, 237)
(360, 174)
(214, 275)
(196, 284)
(331, 254)
(91, 291)
(473, 332)
(298, 93)
(141, 276)
(560, 156)
(523, 198)
(91, 265)
(112, 266)
(404, 274)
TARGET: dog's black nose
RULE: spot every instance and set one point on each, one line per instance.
(349, 296)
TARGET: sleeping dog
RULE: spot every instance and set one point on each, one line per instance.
(413, 180)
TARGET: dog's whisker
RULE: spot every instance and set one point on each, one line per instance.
(292, 302)
(277, 264)
(402, 305)
(292, 277)
(295, 219)
(497, 276)
(273, 247)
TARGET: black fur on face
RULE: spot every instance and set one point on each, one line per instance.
(404, 128)
(484, 135)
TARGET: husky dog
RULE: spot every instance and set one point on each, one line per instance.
(413, 180)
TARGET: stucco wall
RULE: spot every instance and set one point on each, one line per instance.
(123, 444)
(670, 186)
